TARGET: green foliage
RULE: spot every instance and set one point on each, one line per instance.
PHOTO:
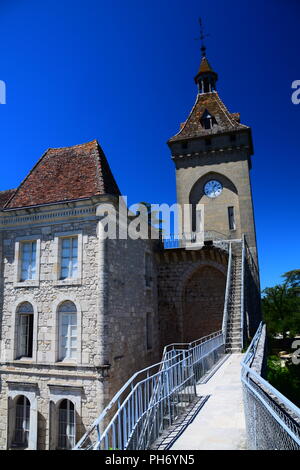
(281, 305)
(281, 312)
(285, 379)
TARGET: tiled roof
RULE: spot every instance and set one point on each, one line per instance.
(225, 121)
(66, 174)
(5, 196)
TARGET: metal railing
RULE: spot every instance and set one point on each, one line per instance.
(227, 293)
(242, 291)
(272, 421)
(176, 240)
(153, 398)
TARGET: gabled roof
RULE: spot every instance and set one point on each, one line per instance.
(225, 121)
(65, 174)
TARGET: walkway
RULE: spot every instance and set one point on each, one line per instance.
(220, 424)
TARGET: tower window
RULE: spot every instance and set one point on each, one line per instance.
(184, 145)
(231, 220)
(207, 120)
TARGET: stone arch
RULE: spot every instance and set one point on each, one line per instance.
(196, 191)
(202, 300)
(215, 209)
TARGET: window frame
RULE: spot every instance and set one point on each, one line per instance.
(19, 242)
(25, 417)
(29, 333)
(61, 315)
(13, 353)
(55, 352)
(58, 239)
(68, 424)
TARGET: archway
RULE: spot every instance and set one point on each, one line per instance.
(203, 303)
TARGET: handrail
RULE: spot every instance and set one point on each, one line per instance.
(115, 399)
(242, 291)
(227, 291)
(140, 417)
(273, 407)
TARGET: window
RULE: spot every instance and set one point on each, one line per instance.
(149, 331)
(232, 138)
(25, 329)
(22, 421)
(207, 142)
(28, 261)
(207, 120)
(67, 331)
(66, 425)
(148, 277)
(231, 220)
(184, 145)
(69, 258)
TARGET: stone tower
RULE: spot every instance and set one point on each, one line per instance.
(212, 155)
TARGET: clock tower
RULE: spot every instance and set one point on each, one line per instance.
(212, 155)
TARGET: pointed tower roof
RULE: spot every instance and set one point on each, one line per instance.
(205, 66)
(65, 174)
(224, 120)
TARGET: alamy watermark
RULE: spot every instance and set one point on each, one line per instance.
(151, 221)
(2, 92)
(296, 94)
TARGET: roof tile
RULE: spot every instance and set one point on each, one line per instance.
(66, 174)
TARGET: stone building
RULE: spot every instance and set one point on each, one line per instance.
(81, 312)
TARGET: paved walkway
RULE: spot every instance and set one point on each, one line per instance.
(220, 424)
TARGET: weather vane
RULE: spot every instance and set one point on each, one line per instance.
(201, 38)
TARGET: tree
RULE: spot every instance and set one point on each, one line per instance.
(281, 305)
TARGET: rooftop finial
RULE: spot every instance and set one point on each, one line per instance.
(202, 36)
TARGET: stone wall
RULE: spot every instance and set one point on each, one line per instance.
(182, 275)
(112, 301)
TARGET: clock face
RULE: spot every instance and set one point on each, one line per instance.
(213, 188)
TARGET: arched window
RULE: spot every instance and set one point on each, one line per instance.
(67, 313)
(22, 421)
(66, 425)
(25, 330)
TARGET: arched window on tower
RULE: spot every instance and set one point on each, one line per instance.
(207, 120)
(66, 425)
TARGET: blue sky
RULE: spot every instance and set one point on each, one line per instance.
(122, 72)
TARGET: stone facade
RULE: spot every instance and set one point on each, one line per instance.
(112, 301)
